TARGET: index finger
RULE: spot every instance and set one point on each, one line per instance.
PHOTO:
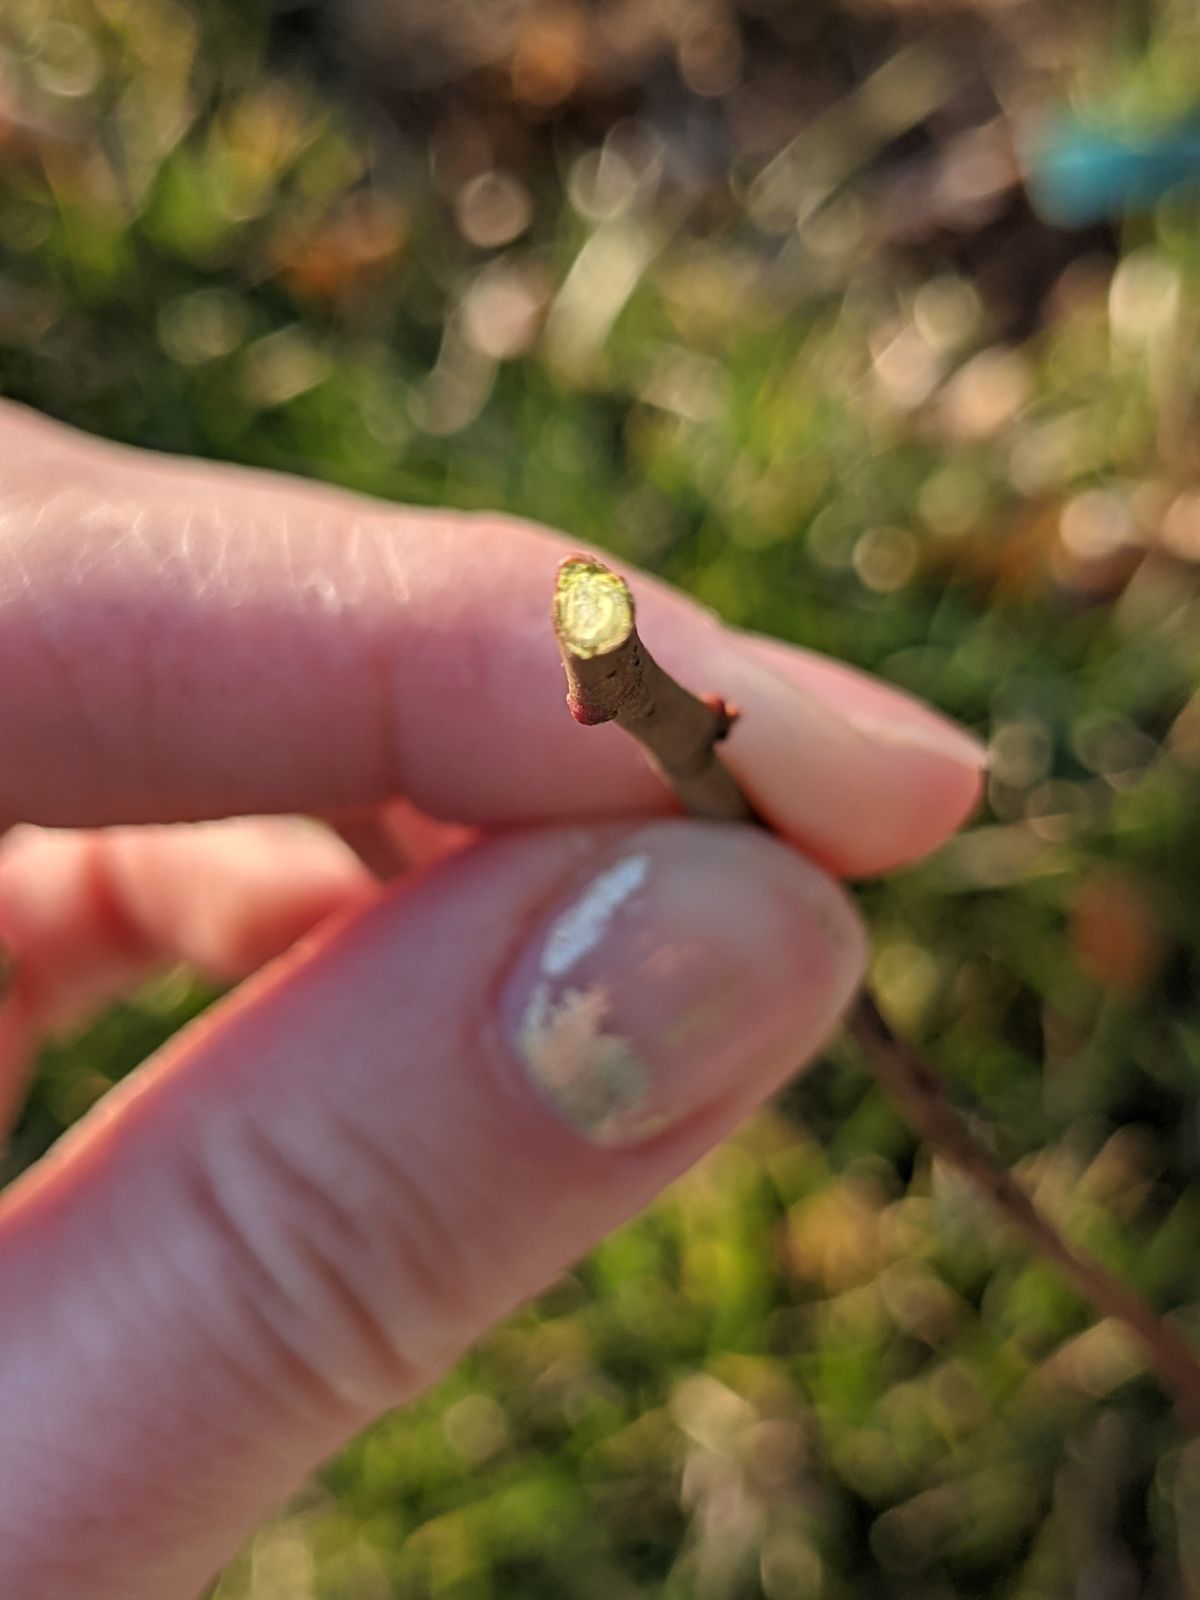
(182, 640)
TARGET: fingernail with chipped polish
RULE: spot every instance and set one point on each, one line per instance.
(698, 960)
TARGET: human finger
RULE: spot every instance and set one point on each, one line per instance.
(936, 796)
(392, 838)
(192, 640)
(325, 1189)
(86, 916)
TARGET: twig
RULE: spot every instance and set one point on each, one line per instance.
(611, 677)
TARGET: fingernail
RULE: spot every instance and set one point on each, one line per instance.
(698, 960)
(914, 728)
(882, 714)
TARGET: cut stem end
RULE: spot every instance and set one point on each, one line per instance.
(593, 608)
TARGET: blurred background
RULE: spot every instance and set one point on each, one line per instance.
(874, 324)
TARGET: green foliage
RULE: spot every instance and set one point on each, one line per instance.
(817, 1367)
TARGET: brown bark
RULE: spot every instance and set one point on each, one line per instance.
(612, 678)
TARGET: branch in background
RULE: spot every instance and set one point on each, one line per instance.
(611, 677)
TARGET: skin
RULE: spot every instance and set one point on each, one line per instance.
(304, 1209)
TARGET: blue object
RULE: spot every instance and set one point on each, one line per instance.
(1077, 174)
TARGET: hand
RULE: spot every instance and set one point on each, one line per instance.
(429, 1098)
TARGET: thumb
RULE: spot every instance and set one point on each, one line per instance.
(304, 1210)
